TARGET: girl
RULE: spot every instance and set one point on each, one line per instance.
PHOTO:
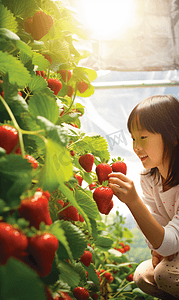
(154, 128)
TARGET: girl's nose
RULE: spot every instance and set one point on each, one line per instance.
(136, 146)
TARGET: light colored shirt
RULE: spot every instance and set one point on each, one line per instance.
(164, 206)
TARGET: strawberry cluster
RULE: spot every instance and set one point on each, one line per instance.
(107, 275)
(124, 248)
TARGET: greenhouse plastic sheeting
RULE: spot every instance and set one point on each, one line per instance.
(151, 43)
(107, 111)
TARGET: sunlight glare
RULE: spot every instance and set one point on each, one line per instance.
(107, 18)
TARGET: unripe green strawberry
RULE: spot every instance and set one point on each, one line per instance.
(102, 171)
(8, 138)
(82, 86)
(35, 209)
(41, 252)
(86, 161)
(86, 258)
(80, 293)
(103, 196)
(12, 242)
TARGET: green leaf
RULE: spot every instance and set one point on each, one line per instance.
(40, 61)
(68, 274)
(56, 230)
(87, 204)
(7, 20)
(127, 234)
(104, 243)
(15, 178)
(7, 34)
(92, 275)
(37, 84)
(24, 48)
(21, 8)
(94, 228)
(87, 93)
(58, 166)
(43, 105)
(18, 74)
(17, 280)
(76, 240)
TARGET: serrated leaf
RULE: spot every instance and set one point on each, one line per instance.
(87, 204)
(40, 61)
(68, 274)
(16, 281)
(41, 104)
(76, 239)
(17, 73)
(7, 20)
(38, 83)
(92, 275)
(58, 166)
(94, 228)
(21, 8)
(24, 48)
(104, 243)
(15, 177)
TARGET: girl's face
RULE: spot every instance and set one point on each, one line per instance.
(149, 148)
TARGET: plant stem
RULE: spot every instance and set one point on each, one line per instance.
(123, 288)
(71, 101)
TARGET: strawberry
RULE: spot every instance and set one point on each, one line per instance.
(126, 248)
(80, 293)
(70, 90)
(82, 86)
(121, 250)
(8, 138)
(32, 160)
(12, 242)
(92, 186)
(29, 25)
(86, 258)
(65, 74)
(41, 25)
(69, 214)
(55, 85)
(48, 293)
(86, 161)
(60, 202)
(94, 296)
(109, 277)
(122, 244)
(41, 252)
(130, 277)
(64, 296)
(40, 73)
(102, 171)
(111, 204)
(72, 153)
(35, 209)
(79, 178)
(48, 57)
(119, 166)
(81, 219)
(103, 196)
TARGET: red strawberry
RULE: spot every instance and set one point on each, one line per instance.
(80, 293)
(48, 293)
(60, 202)
(48, 57)
(40, 73)
(109, 277)
(86, 161)
(35, 209)
(122, 244)
(86, 258)
(8, 138)
(12, 242)
(32, 160)
(119, 166)
(79, 178)
(65, 74)
(82, 86)
(72, 153)
(41, 252)
(70, 90)
(55, 85)
(41, 25)
(29, 25)
(64, 296)
(94, 296)
(81, 219)
(102, 171)
(121, 250)
(111, 204)
(103, 196)
(92, 186)
(69, 214)
(126, 248)
(130, 277)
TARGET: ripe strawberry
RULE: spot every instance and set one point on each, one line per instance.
(86, 161)
(65, 74)
(69, 214)
(55, 85)
(64, 296)
(48, 57)
(72, 153)
(79, 178)
(102, 171)
(35, 209)
(29, 25)
(126, 248)
(80, 293)
(12, 242)
(122, 244)
(81, 219)
(48, 293)
(109, 277)
(111, 204)
(130, 277)
(41, 25)
(103, 196)
(8, 138)
(92, 186)
(82, 86)
(60, 202)
(32, 160)
(41, 252)
(86, 258)
(70, 90)
(119, 166)
(40, 73)
(121, 250)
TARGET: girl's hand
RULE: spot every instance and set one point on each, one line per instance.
(156, 258)
(123, 188)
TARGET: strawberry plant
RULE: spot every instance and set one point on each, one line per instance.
(51, 230)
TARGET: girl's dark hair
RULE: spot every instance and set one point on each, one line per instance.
(160, 114)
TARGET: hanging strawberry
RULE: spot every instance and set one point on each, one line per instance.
(86, 161)
(8, 138)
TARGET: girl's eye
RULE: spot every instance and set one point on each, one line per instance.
(143, 137)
